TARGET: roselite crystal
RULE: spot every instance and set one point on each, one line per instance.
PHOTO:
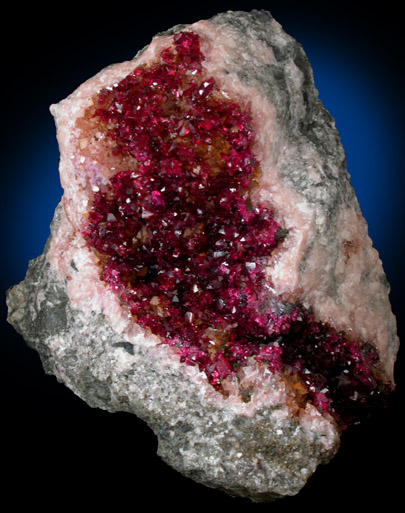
(209, 268)
(182, 244)
(185, 249)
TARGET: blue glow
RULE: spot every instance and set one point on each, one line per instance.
(34, 192)
(360, 102)
(363, 99)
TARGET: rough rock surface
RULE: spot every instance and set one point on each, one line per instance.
(266, 447)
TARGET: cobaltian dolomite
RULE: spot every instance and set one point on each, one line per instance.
(209, 269)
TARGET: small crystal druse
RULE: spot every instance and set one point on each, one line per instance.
(185, 247)
(209, 269)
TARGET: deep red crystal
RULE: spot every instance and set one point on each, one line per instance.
(185, 249)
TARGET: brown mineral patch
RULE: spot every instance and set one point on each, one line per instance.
(297, 392)
(350, 247)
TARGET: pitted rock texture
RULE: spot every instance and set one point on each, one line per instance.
(267, 445)
(262, 456)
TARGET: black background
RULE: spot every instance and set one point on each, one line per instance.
(56, 449)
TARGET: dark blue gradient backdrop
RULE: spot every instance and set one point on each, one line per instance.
(356, 55)
(356, 80)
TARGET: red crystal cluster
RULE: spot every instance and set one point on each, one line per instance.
(181, 243)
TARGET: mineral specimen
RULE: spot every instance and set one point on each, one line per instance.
(209, 269)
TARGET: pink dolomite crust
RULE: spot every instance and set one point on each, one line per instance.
(308, 343)
(360, 307)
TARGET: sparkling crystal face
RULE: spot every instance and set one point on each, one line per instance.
(182, 244)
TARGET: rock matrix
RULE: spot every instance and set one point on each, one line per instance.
(209, 269)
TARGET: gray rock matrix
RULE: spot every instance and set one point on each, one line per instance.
(262, 456)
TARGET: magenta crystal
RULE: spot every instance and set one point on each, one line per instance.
(185, 248)
(209, 269)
